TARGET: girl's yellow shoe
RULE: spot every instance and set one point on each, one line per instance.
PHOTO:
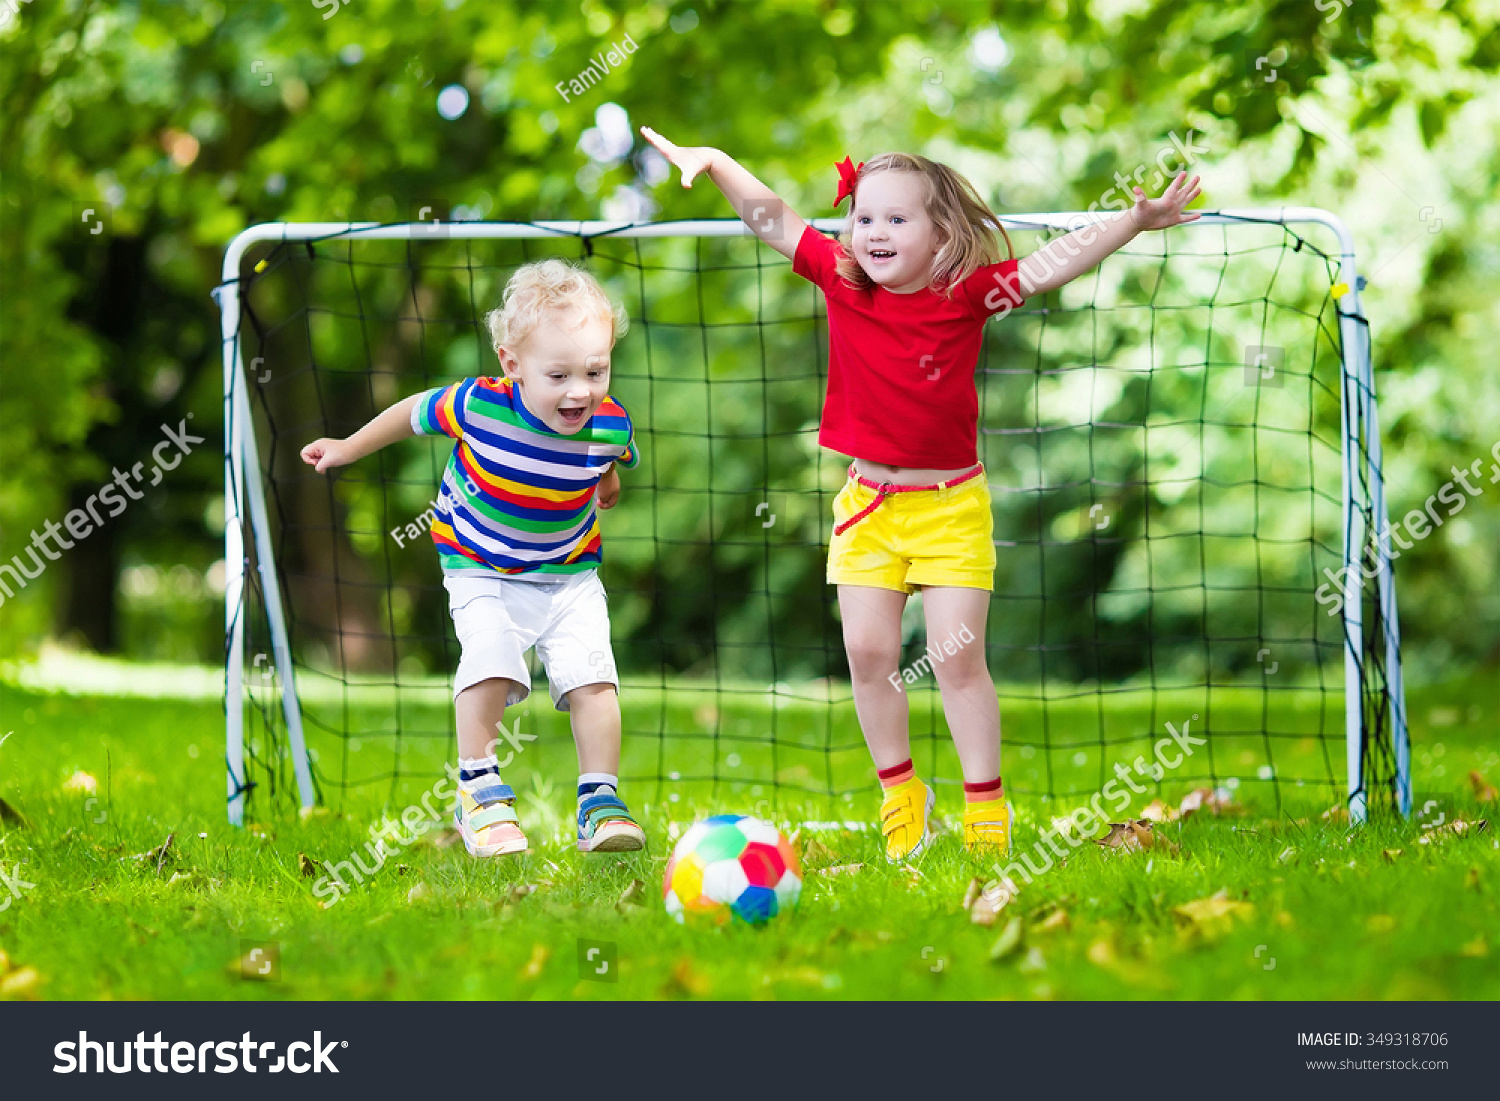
(987, 827)
(905, 819)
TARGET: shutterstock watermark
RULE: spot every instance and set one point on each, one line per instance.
(1419, 524)
(1090, 817)
(81, 522)
(386, 837)
(939, 653)
(1178, 156)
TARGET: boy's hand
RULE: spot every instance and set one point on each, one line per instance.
(692, 161)
(326, 453)
(1166, 212)
(609, 489)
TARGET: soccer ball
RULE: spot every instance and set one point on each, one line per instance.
(732, 865)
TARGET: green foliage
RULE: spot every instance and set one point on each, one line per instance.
(162, 112)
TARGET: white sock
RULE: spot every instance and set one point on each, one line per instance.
(489, 766)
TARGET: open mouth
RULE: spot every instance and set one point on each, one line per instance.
(881, 255)
(573, 417)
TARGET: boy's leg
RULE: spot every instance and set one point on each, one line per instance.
(485, 812)
(581, 670)
(604, 822)
(957, 616)
(595, 712)
(872, 642)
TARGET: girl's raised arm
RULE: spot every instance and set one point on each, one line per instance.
(772, 220)
(1066, 258)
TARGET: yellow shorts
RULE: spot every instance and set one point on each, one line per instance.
(913, 539)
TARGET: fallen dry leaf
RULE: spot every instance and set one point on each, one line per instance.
(685, 982)
(1336, 814)
(20, 983)
(9, 814)
(1483, 792)
(540, 953)
(1159, 811)
(1390, 855)
(973, 891)
(1102, 954)
(1213, 915)
(633, 895)
(1009, 941)
(1286, 854)
(81, 781)
(1459, 827)
(309, 869)
(840, 869)
(810, 851)
(1213, 800)
(157, 856)
(188, 881)
(418, 892)
(1057, 919)
(1134, 836)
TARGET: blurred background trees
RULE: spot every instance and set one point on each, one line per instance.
(177, 124)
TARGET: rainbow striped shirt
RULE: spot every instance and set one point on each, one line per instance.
(518, 497)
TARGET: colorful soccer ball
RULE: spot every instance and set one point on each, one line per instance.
(732, 865)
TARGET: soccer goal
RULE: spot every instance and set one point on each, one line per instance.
(1184, 459)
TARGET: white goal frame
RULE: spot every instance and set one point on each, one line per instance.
(243, 486)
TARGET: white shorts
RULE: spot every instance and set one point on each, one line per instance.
(498, 619)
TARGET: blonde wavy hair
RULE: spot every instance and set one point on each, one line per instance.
(965, 225)
(550, 285)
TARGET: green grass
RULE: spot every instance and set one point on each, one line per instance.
(1340, 919)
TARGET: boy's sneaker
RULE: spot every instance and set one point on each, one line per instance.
(605, 825)
(905, 819)
(486, 820)
(987, 827)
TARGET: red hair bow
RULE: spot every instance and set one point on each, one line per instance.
(848, 174)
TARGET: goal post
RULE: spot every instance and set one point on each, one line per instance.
(1376, 757)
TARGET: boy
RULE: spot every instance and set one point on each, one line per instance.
(518, 537)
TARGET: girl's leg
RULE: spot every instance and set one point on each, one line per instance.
(963, 677)
(872, 640)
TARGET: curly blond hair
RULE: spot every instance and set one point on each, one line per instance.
(547, 285)
(964, 223)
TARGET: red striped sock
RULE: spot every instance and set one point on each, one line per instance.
(896, 774)
(984, 792)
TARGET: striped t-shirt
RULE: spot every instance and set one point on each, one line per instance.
(518, 497)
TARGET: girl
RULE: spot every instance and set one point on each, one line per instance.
(909, 285)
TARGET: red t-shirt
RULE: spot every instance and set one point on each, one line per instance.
(901, 366)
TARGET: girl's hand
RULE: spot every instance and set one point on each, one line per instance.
(1166, 212)
(609, 489)
(691, 162)
(326, 453)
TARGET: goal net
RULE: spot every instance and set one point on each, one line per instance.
(1184, 461)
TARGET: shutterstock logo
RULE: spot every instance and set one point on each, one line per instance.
(188, 1058)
